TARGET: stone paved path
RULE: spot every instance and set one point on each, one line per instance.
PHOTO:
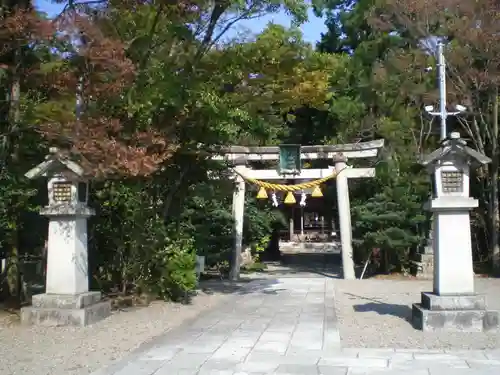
(285, 326)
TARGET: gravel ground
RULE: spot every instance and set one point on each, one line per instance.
(372, 313)
(78, 351)
(377, 313)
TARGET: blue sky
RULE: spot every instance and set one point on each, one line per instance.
(312, 29)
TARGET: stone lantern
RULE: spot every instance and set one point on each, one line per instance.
(67, 299)
(453, 305)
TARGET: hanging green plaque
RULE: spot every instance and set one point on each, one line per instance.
(289, 162)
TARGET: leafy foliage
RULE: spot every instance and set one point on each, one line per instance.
(392, 220)
(159, 82)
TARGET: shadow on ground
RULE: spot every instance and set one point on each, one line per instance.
(320, 264)
(290, 265)
(241, 287)
(382, 308)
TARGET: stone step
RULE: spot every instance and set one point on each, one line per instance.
(310, 259)
(454, 320)
(433, 301)
(65, 301)
(310, 247)
(65, 317)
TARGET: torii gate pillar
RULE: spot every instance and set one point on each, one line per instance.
(344, 209)
(238, 215)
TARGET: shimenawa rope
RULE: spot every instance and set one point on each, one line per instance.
(281, 187)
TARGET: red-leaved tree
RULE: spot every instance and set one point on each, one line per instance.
(85, 80)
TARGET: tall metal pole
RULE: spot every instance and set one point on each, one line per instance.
(442, 113)
(442, 89)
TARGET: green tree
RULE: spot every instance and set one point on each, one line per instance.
(374, 97)
(392, 219)
(470, 30)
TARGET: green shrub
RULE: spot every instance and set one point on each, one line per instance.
(173, 275)
(133, 250)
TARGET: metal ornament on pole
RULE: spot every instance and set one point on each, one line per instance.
(443, 113)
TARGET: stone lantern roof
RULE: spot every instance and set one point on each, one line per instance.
(456, 147)
(55, 162)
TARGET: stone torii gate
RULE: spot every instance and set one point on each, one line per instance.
(339, 155)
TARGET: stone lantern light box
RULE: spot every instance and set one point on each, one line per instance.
(67, 183)
(67, 299)
(453, 305)
(450, 167)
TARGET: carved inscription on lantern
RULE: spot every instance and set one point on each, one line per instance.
(61, 192)
(452, 181)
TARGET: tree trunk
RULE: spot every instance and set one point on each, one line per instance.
(494, 202)
(14, 274)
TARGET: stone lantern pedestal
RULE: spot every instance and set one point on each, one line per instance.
(67, 299)
(453, 305)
